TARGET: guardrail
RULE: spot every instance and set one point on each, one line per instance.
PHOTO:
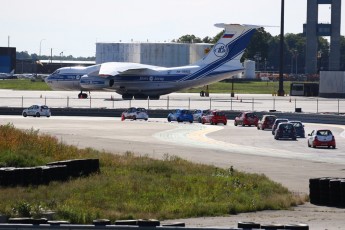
(238, 103)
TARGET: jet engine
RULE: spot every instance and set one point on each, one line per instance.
(94, 82)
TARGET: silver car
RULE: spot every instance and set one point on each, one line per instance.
(37, 111)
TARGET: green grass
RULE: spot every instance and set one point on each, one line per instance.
(243, 87)
(131, 187)
(23, 84)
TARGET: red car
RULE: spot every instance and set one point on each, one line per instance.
(214, 117)
(246, 118)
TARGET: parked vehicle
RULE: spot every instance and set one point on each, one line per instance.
(276, 123)
(180, 115)
(135, 113)
(285, 130)
(246, 118)
(321, 137)
(214, 117)
(37, 111)
(299, 127)
(266, 122)
(198, 113)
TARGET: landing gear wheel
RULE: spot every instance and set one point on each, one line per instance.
(82, 95)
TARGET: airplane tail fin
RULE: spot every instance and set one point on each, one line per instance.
(230, 47)
(12, 73)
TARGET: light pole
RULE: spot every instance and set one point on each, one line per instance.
(41, 46)
(61, 54)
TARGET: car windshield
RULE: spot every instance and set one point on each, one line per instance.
(286, 126)
(251, 115)
(185, 112)
(141, 110)
(297, 124)
(44, 107)
(219, 114)
(323, 132)
(270, 118)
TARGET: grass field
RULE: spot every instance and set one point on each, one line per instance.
(131, 187)
(243, 87)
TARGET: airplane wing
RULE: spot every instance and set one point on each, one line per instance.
(121, 68)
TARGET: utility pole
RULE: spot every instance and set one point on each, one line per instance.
(281, 64)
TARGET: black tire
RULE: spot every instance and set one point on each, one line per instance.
(134, 118)
(333, 146)
(309, 144)
(38, 114)
(169, 119)
(235, 123)
(191, 121)
(248, 225)
(24, 115)
(199, 120)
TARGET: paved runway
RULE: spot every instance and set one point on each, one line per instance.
(111, 100)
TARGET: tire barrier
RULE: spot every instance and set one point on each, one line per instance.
(326, 191)
(254, 225)
(55, 171)
(101, 222)
(25, 220)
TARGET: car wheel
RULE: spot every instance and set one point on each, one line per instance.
(314, 146)
(224, 123)
(202, 122)
(333, 146)
(275, 137)
(199, 120)
(294, 138)
(169, 119)
(235, 123)
(134, 117)
(262, 127)
(24, 114)
(309, 144)
(191, 121)
(178, 120)
(48, 116)
(38, 114)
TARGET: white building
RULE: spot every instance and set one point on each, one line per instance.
(159, 54)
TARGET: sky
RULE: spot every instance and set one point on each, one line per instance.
(72, 27)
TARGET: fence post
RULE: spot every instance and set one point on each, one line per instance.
(317, 105)
(67, 101)
(113, 103)
(274, 103)
(130, 103)
(338, 106)
(231, 103)
(148, 103)
(22, 102)
(295, 104)
(45, 100)
(210, 104)
(90, 101)
(168, 103)
(253, 104)
(188, 103)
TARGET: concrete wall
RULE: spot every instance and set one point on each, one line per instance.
(332, 84)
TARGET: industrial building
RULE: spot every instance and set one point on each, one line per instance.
(7, 59)
(158, 54)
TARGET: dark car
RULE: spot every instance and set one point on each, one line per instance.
(266, 122)
(246, 118)
(214, 117)
(299, 127)
(276, 123)
(180, 115)
(285, 130)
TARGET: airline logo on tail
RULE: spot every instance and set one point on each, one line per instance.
(220, 50)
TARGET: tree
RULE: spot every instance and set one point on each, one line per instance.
(189, 39)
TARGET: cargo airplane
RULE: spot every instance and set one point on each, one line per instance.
(146, 81)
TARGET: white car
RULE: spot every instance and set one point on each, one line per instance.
(321, 137)
(37, 111)
(198, 113)
(135, 113)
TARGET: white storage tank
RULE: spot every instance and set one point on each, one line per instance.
(249, 69)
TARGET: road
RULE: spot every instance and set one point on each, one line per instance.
(290, 163)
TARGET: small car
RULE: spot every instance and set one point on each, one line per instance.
(266, 122)
(135, 113)
(276, 123)
(214, 117)
(198, 113)
(180, 115)
(37, 111)
(285, 130)
(246, 118)
(321, 137)
(299, 127)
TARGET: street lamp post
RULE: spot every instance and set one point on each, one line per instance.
(41, 45)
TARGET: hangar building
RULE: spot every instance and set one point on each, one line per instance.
(158, 54)
(7, 59)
